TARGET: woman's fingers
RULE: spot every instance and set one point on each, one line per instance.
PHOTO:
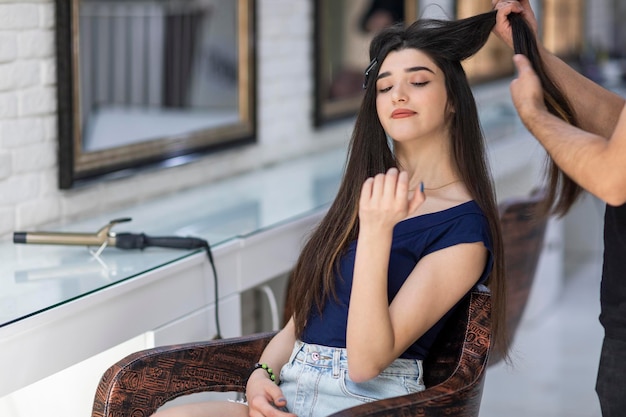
(402, 186)
(366, 190)
(385, 196)
(389, 185)
(386, 187)
(378, 186)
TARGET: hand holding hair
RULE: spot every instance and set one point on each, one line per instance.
(526, 89)
(503, 28)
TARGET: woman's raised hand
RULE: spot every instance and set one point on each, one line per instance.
(385, 200)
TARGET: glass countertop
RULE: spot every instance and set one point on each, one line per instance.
(36, 278)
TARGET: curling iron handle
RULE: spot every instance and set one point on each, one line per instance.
(141, 240)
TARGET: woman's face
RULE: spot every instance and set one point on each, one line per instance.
(411, 99)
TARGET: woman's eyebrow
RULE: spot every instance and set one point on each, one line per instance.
(419, 68)
(411, 69)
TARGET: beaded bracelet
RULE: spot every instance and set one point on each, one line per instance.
(270, 371)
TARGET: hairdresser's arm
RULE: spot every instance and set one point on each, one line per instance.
(378, 332)
(593, 161)
(264, 395)
(597, 109)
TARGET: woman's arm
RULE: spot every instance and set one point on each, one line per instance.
(377, 332)
(263, 394)
(278, 350)
(383, 203)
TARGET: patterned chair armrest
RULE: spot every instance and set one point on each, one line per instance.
(143, 381)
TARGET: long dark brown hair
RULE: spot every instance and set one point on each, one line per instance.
(562, 191)
(447, 43)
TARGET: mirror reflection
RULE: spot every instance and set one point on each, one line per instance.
(154, 79)
(152, 69)
(344, 29)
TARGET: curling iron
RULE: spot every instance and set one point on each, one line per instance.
(106, 237)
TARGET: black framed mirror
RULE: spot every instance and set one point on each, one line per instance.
(342, 32)
(145, 82)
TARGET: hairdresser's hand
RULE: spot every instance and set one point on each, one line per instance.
(265, 398)
(503, 27)
(385, 200)
(526, 89)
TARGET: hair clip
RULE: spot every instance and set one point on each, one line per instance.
(369, 68)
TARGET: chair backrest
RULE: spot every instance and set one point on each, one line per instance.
(453, 373)
(467, 332)
(523, 232)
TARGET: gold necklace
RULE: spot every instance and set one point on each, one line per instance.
(440, 187)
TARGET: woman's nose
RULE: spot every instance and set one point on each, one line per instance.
(398, 94)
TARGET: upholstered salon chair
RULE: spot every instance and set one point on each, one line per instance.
(454, 374)
(523, 231)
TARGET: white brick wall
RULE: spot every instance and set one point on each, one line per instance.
(29, 194)
(27, 103)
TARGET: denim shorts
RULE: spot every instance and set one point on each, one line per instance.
(315, 381)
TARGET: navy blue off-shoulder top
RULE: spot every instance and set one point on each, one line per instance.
(413, 239)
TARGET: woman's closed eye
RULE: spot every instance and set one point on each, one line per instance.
(384, 89)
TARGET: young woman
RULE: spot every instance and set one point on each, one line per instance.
(413, 229)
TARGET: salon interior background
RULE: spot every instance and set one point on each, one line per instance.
(29, 187)
(284, 98)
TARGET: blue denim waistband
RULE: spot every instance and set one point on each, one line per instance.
(337, 359)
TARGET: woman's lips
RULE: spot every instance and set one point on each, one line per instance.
(402, 113)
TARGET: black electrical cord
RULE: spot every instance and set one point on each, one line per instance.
(207, 249)
(141, 241)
